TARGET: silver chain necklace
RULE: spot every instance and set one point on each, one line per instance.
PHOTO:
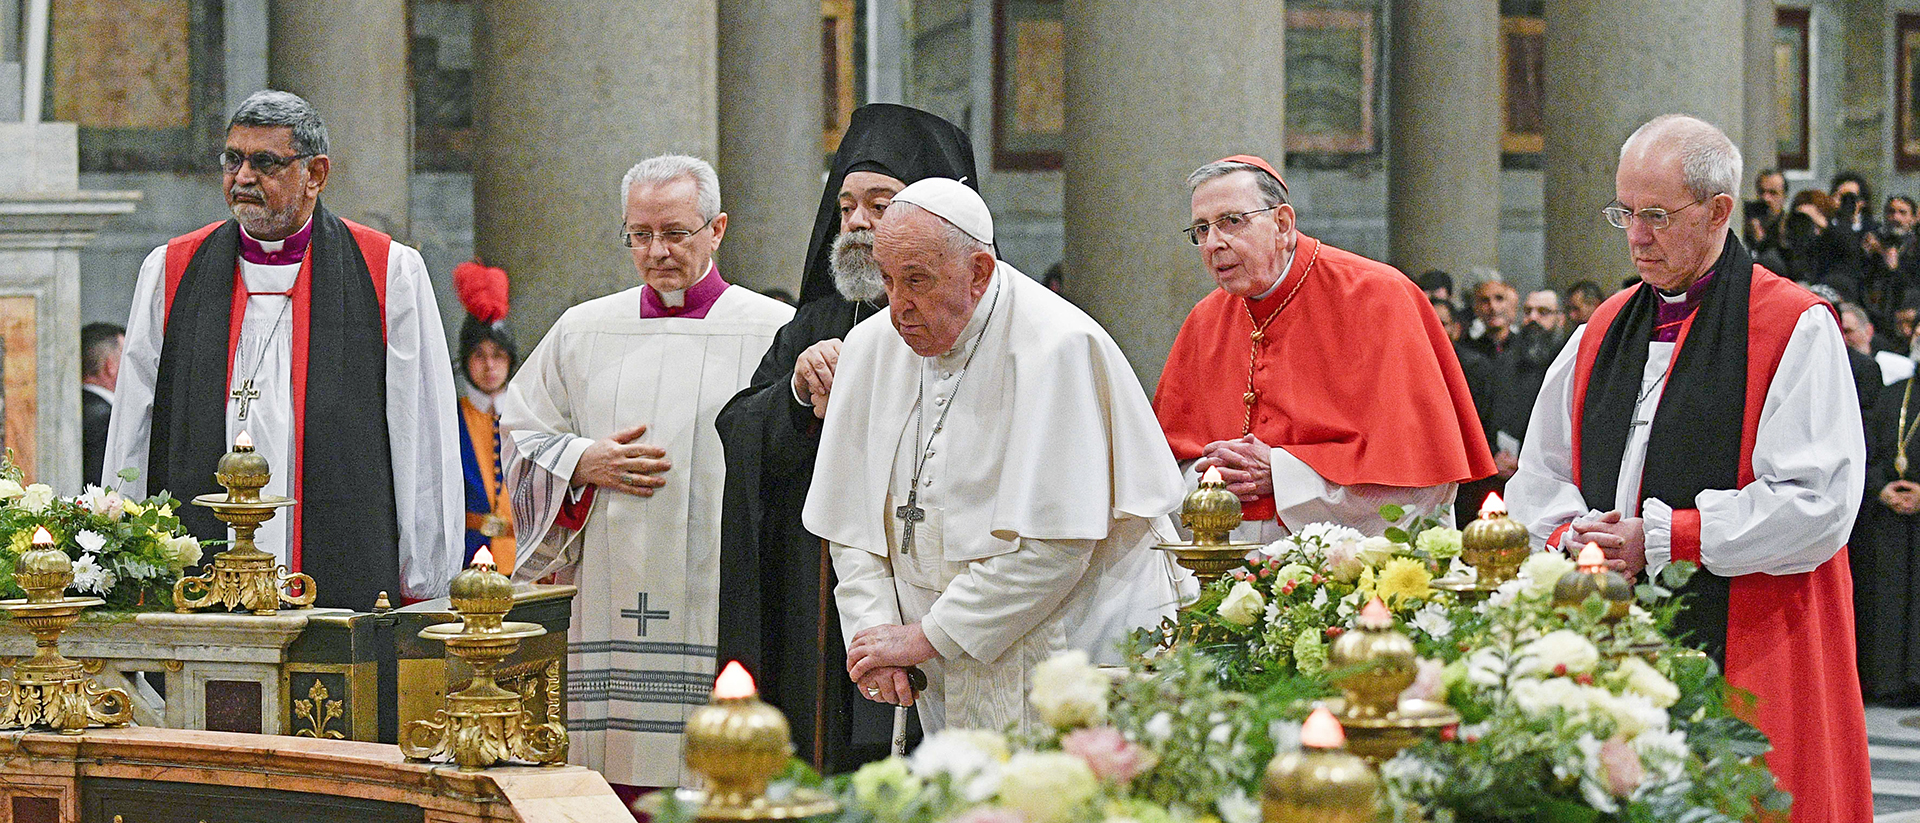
(246, 393)
(911, 512)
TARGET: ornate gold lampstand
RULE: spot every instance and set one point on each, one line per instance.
(738, 744)
(1494, 545)
(243, 576)
(1211, 512)
(1591, 577)
(483, 725)
(50, 691)
(1320, 783)
(1378, 724)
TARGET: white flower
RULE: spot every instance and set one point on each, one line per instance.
(1319, 598)
(37, 498)
(971, 759)
(1243, 604)
(1644, 680)
(1539, 697)
(1560, 648)
(1485, 667)
(89, 576)
(1343, 561)
(1328, 534)
(107, 504)
(1375, 551)
(1236, 807)
(1433, 620)
(10, 490)
(1633, 714)
(185, 550)
(90, 541)
(1278, 548)
(1068, 691)
(1220, 734)
(1542, 570)
(1159, 727)
(1047, 787)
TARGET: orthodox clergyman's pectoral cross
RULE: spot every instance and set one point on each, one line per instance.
(912, 514)
(246, 394)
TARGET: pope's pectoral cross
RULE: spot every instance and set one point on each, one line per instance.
(912, 514)
(246, 394)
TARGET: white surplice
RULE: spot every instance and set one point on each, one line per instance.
(1809, 463)
(428, 486)
(640, 650)
(1043, 495)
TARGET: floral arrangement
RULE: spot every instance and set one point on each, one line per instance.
(128, 552)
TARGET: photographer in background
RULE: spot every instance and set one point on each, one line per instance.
(1766, 220)
(1841, 255)
(1892, 267)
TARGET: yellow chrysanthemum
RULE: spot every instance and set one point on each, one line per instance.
(133, 509)
(1365, 584)
(1403, 580)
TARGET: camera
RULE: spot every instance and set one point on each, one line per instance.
(1757, 210)
(1849, 204)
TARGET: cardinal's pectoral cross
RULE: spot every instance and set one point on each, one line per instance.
(246, 394)
(912, 514)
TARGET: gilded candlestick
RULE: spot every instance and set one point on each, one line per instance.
(1211, 513)
(50, 691)
(243, 576)
(737, 744)
(1590, 578)
(1320, 783)
(1495, 546)
(1378, 724)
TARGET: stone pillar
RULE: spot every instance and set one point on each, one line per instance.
(1443, 158)
(1762, 146)
(770, 153)
(349, 59)
(571, 94)
(1860, 144)
(1153, 91)
(1688, 57)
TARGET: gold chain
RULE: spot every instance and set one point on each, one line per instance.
(1260, 335)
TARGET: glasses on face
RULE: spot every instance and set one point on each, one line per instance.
(674, 238)
(1231, 223)
(1618, 214)
(265, 163)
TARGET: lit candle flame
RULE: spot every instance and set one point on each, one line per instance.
(244, 441)
(1375, 615)
(1591, 559)
(1494, 506)
(1322, 731)
(41, 537)
(734, 682)
(1212, 476)
(483, 557)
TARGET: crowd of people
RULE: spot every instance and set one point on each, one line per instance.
(935, 472)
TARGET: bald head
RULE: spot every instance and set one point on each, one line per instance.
(934, 274)
(1708, 161)
(1674, 184)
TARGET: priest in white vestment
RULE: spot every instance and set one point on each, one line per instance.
(616, 472)
(300, 329)
(991, 477)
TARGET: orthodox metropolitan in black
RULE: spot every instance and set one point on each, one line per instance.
(777, 613)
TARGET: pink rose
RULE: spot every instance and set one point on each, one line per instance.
(1622, 766)
(1427, 683)
(1109, 754)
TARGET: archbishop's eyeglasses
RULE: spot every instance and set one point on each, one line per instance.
(673, 237)
(1618, 214)
(1229, 223)
(265, 163)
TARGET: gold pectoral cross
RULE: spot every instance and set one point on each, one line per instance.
(912, 514)
(246, 394)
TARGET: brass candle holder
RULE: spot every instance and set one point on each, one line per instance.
(1211, 513)
(243, 576)
(1495, 546)
(1378, 724)
(1591, 577)
(738, 744)
(49, 691)
(1320, 783)
(483, 725)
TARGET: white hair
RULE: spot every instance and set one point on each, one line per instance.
(667, 168)
(1709, 161)
(1271, 192)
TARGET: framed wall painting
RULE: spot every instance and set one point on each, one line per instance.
(1791, 70)
(1029, 85)
(1522, 87)
(1332, 64)
(836, 71)
(1906, 142)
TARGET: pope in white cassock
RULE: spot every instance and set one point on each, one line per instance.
(616, 471)
(320, 338)
(991, 478)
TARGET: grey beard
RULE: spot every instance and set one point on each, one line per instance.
(855, 275)
(260, 222)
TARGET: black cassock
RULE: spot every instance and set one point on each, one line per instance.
(1885, 551)
(777, 613)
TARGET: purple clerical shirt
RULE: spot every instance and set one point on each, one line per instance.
(700, 298)
(1669, 317)
(294, 250)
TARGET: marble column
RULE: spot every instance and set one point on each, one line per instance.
(570, 95)
(770, 152)
(1686, 57)
(1761, 148)
(1861, 141)
(1443, 157)
(1153, 91)
(349, 59)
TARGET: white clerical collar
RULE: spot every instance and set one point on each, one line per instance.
(1286, 264)
(1671, 299)
(678, 297)
(271, 246)
(101, 392)
(981, 312)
